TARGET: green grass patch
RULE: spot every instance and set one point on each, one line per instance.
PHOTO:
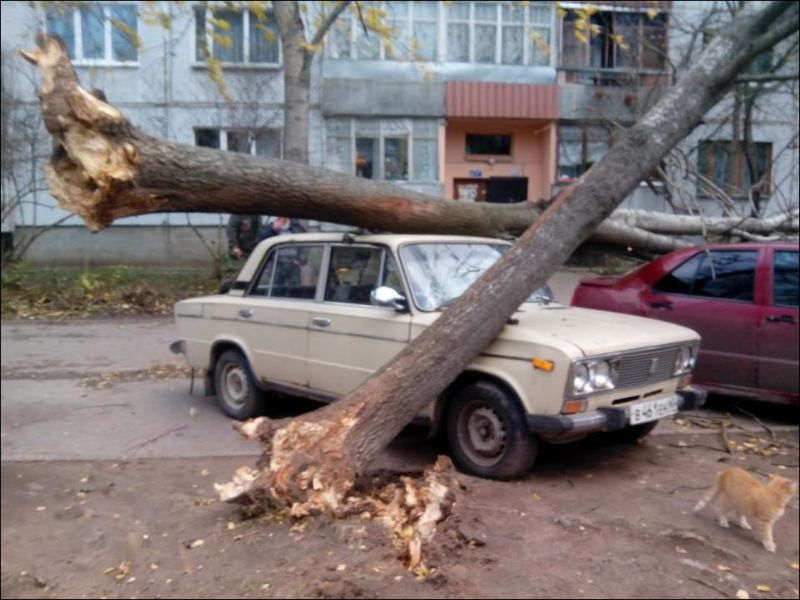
(29, 292)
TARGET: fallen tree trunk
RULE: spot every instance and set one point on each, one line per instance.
(783, 223)
(105, 169)
(311, 462)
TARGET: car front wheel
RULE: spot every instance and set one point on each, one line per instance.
(237, 393)
(487, 433)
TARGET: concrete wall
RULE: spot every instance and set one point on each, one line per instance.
(132, 244)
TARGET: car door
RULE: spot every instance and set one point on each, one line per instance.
(349, 338)
(778, 329)
(713, 292)
(272, 317)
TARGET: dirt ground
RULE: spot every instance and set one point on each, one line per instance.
(592, 519)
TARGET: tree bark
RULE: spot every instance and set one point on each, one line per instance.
(314, 459)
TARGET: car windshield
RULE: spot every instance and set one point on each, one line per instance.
(439, 273)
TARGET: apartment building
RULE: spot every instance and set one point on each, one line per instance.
(472, 101)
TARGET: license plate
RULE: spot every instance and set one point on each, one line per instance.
(654, 409)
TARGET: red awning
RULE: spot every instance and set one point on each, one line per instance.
(471, 99)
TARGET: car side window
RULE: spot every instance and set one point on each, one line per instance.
(680, 280)
(290, 272)
(785, 273)
(727, 274)
(353, 273)
(717, 274)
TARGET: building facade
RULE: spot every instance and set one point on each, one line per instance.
(471, 101)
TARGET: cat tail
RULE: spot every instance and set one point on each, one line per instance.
(708, 497)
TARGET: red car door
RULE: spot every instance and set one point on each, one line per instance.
(713, 292)
(778, 327)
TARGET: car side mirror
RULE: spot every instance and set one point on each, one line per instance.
(389, 298)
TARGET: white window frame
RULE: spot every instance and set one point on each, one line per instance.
(382, 135)
(245, 64)
(528, 25)
(108, 50)
(356, 30)
(223, 137)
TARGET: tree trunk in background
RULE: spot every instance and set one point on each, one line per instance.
(296, 82)
(101, 162)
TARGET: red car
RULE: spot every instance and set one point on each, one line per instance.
(741, 298)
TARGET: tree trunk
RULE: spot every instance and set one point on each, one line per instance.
(314, 458)
(296, 81)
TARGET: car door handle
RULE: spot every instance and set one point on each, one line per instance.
(661, 304)
(245, 313)
(321, 321)
(780, 319)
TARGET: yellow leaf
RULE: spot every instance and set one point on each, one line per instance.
(561, 12)
(407, 532)
(795, 566)
(724, 568)
(652, 13)
(742, 595)
(763, 588)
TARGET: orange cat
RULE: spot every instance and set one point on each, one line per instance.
(742, 496)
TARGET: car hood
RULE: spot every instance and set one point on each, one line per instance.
(594, 332)
(580, 332)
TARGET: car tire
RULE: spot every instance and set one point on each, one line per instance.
(237, 393)
(634, 433)
(487, 433)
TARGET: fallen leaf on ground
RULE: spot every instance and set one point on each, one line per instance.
(724, 568)
(742, 595)
(763, 588)
(193, 543)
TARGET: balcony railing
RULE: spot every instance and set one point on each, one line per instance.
(621, 77)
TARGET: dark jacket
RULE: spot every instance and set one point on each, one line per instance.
(244, 231)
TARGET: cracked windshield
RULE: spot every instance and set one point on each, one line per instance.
(439, 273)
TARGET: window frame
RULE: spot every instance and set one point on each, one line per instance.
(734, 189)
(246, 63)
(273, 252)
(381, 136)
(584, 127)
(565, 30)
(353, 31)
(108, 59)
(707, 255)
(772, 271)
(225, 131)
(386, 252)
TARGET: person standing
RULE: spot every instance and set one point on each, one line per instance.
(244, 233)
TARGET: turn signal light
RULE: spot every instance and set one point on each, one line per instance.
(544, 365)
(574, 406)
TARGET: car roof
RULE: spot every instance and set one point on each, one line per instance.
(389, 239)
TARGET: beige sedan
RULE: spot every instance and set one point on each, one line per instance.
(315, 315)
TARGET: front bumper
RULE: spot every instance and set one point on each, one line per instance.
(607, 418)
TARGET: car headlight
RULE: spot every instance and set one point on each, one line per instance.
(686, 359)
(593, 376)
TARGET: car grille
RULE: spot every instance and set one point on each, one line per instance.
(646, 367)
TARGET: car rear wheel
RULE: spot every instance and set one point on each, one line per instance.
(237, 393)
(487, 433)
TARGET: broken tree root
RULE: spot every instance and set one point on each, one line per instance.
(410, 508)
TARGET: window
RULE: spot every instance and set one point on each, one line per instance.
(355, 271)
(579, 147)
(390, 149)
(785, 274)
(680, 280)
(474, 32)
(498, 33)
(725, 164)
(645, 47)
(236, 36)
(498, 145)
(728, 275)
(95, 33)
(290, 272)
(262, 142)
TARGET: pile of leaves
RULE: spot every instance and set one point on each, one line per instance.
(53, 293)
